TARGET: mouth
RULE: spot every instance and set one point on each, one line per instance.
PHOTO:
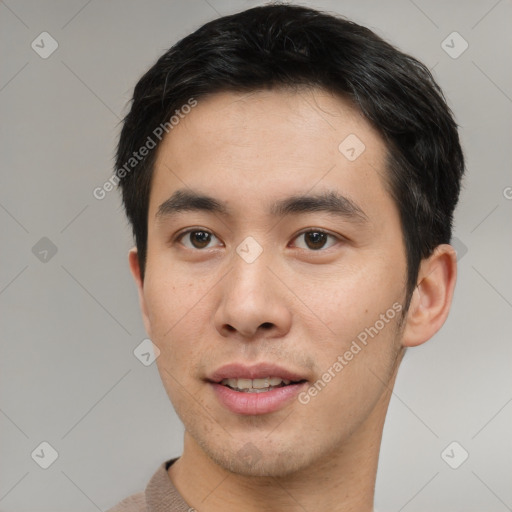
(258, 385)
(255, 390)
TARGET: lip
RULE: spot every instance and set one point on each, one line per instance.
(257, 371)
(256, 403)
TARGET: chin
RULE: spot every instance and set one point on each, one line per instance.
(255, 460)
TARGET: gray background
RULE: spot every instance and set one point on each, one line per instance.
(70, 321)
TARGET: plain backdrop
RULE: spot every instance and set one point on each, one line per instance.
(70, 317)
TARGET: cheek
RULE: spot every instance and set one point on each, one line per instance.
(171, 295)
(163, 307)
(353, 296)
(354, 365)
(178, 311)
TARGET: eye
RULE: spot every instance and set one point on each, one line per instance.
(196, 238)
(315, 239)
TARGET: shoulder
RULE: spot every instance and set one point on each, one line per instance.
(134, 503)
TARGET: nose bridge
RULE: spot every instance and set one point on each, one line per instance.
(251, 298)
(248, 280)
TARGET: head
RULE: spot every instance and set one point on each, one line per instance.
(260, 125)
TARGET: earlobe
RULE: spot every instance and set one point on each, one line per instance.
(432, 297)
(133, 260)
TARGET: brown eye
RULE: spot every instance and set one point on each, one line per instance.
(315, 240)
(197, 239)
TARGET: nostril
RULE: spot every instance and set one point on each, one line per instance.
(267, 325)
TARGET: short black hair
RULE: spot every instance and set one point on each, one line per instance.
(291, 46)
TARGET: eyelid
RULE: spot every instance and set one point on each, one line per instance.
(179, 234)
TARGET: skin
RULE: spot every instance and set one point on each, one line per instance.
(294, 305)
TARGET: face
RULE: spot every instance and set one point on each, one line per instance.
(292, 267)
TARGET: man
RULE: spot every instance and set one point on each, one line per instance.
(291, 180)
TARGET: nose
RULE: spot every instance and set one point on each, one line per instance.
(253, 302)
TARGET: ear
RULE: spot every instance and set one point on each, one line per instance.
(432, 297)
(135, 270)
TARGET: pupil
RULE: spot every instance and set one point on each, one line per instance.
(317, 239)
(201, 237)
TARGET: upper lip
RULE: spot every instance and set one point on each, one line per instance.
(257, 371)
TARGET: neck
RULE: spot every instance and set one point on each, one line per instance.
(342, 482)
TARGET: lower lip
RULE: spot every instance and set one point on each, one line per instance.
(257, 403)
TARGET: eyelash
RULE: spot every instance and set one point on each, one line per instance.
(321, 231)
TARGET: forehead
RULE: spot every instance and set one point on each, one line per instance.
(267, 143)
(269, 118)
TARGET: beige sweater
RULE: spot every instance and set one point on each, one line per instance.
(160, 496)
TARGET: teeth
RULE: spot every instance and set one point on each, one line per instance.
(253, 385)
(244, 383)
(262, 383)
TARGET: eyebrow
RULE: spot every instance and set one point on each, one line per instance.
(329, 202)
